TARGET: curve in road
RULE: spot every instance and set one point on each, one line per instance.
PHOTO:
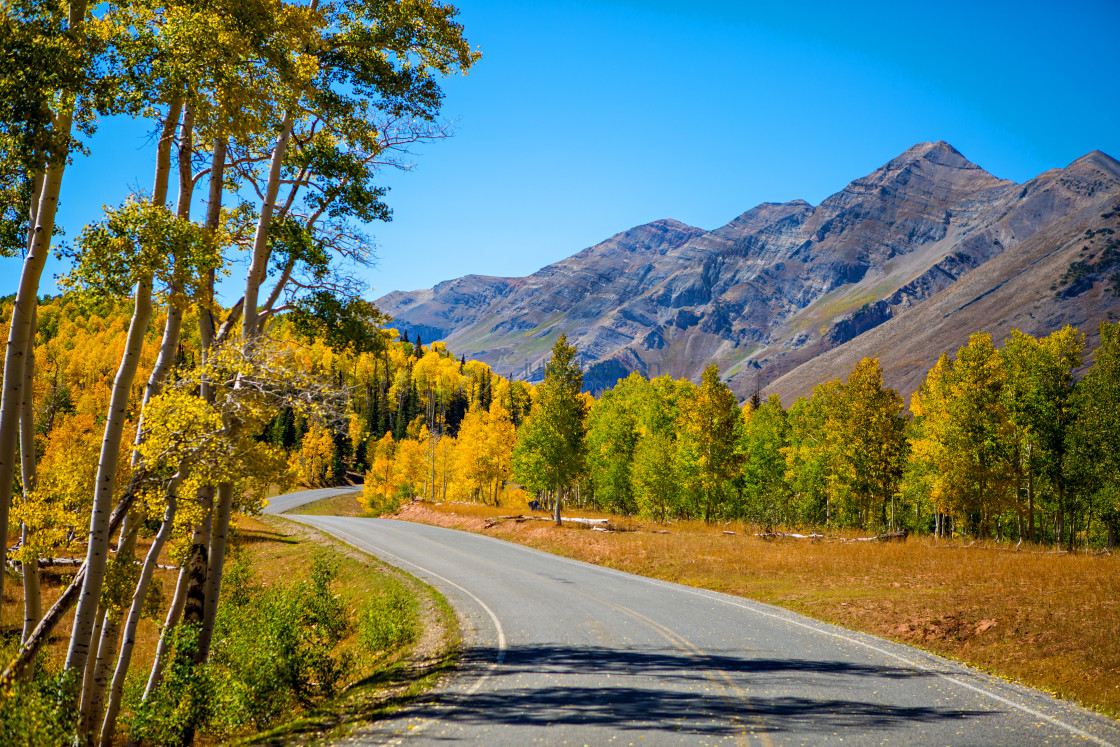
(557, 651)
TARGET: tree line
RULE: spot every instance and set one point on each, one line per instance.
(998, 443)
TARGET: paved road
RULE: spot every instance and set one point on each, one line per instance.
(562, 652)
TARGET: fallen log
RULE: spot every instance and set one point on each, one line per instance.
(788, 535)
(894, 536)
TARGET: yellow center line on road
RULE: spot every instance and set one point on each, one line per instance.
(720, 677)
(696, 654)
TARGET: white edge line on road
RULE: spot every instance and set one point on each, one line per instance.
(352, 541)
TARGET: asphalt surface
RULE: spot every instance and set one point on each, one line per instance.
(562, 652)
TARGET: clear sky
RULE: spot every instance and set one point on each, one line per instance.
(586, 118)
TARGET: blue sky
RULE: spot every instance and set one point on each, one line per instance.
(586, 118)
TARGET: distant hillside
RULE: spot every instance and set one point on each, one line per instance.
(903, 264)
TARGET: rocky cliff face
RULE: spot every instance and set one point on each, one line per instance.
(783, 284)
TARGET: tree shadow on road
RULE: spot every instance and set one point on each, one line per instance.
(654, 690)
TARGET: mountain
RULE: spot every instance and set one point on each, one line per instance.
(902, 264)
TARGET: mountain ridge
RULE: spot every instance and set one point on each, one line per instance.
(777, 286)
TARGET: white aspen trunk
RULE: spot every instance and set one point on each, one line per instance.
(219, 535)
(215, 560)
(196, 566)
(38, 249)
(80, 638)
(110, 636)
(20, 340)
(174, 614)
(32, 594)
(128, 642)
(99, 673)
(173, 326)
(28, 651)
(87, 691)
(259, 264)
(126, 547)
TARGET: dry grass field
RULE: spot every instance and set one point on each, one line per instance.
(55, 579)
(1050, 620)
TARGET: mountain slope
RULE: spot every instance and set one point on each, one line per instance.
(777, 286)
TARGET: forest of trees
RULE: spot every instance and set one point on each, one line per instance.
(138, 404)
(998, 443)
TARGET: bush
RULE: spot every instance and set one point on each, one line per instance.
(273, 650)
(38, 712)
(183, 704)
(274, 646)
(389, 619)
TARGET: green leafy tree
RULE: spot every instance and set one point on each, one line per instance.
(612, 435)
(1036, 397)
(811, 454)
(709, 431)
(766, 494)
(551, 449)
(871, 447)
(965, 433)
(655, 469)
(1092, 461)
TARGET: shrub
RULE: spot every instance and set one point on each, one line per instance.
(183, 704)
(389, 619)
(274, 646)
(38, 712)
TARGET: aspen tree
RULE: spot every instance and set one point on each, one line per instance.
(40, 97)
(710, 425)
(550, 450)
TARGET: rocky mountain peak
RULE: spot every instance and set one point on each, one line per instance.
(926, 171)
(656, 237)
(1099, 161)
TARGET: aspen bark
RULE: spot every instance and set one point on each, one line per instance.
(126, 547)
(174, 614)
(80, 639)
(87, 691)
(128, 642)
(32, 594)
(199, 559)
(259, 264)
(39, 636)
(110, 446)
(219, 534)
(173, 326)
(38, 249)
(110, 636)
(197, 564)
